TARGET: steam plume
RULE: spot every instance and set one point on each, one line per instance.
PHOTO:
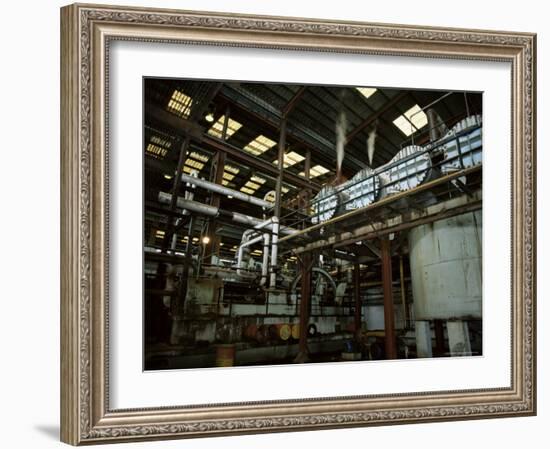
(370, 145)
(341, 127)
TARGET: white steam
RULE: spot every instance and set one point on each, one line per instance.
(341, 128)
(370, 145)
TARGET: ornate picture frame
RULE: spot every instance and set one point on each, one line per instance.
(87, 32)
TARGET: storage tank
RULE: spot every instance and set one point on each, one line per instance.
(445, 260)
(407, 170)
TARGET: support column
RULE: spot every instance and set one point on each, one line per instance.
(423, 339)
(175, 193)
(357, 297)
(459, 338)
(439, 338)
(169, 230)
(389, 326)
(280, 162)
(305, 296)
(212, 249)
(277, 208)
(403, 293)
(178, 306)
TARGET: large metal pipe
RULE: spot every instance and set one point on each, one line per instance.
(213, 187)
(389, 327)
(274, 249)
(211, 211)
(242, 246)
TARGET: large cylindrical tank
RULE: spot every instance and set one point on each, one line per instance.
(407, 170)
(446, 269)
(329, 202)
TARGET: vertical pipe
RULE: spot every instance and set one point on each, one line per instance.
(391, 347)
(403, 293)
(182, 292)
(307, 164)
(357, 296)
(265, 259)
(305, 295)
(274, 248)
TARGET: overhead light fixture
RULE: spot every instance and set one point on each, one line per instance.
(209, 117)
(167, 176)
(206, 240)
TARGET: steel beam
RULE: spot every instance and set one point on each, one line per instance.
(243, 157)
(290, 105)
(446, 209)
(384, 202)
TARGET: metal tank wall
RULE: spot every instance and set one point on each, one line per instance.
(446, 269)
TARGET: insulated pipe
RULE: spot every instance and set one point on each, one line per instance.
(241, 250)
(213, 187)
(274, 248)
(212, 211)
(265, 261)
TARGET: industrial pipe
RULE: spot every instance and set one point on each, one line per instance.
(213, 187)
(265, 260)
(242, 246)
(274, 249)
(212, 211)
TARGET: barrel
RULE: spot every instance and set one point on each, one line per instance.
(284, 331)
(250, 331)
(225, 355)
(295, 331)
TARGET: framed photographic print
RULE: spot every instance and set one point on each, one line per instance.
(279, 224)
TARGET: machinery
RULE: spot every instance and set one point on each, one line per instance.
(254, 302)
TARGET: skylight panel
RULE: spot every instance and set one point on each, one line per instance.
(366, 91)
(257, 179)
(229, 173)
(194, 164)
(252, 185)
(161, 142)
(316, 171)
(180, 104)
(247, 190)
(156, 151)
(231, 169)
(199, 156)
(259, 145)
(411, 121)
(216, 130)
(290, 159)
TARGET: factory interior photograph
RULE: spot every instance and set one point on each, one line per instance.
(288, 223)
